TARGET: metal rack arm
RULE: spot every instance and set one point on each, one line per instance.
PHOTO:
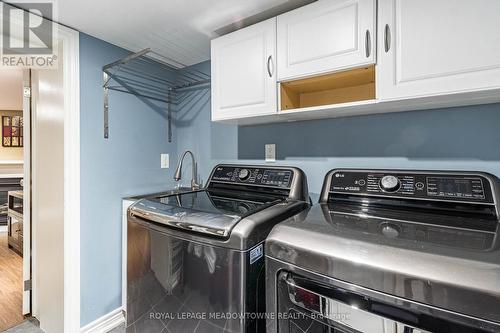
(150, 85)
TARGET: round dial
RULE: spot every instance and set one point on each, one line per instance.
(244, 174)
(389, 183)
(390, 230)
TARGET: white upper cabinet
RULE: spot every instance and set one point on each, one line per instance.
(429, 47)
(326, 36)
(244, 72)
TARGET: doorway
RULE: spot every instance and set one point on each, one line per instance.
(14, 251)
(52, 174)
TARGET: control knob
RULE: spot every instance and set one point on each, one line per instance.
(244, 174)
(390, 230)
(389, 183)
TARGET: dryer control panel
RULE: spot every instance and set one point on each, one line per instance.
(402, 184)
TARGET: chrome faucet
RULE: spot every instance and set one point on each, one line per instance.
(178, 172)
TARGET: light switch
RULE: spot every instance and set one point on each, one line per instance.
(271, 152)
(165, 161)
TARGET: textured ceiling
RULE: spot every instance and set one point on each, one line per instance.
(178, 29)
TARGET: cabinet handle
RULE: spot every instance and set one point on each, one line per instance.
(269, 59)
(368, 43)
(387, 38)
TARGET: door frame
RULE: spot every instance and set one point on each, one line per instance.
(27, 230)
(70, 61)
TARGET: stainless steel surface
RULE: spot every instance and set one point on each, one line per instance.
(446, 271)
(169, 115)
(392, 266)
(277, 270)
(269, 66)
(247, 232)
(15, 221)
(368, 43)
(127, 59)
(183, 280)
(194, 170)
(389, 183)
(106, 105)
(331, 309)
(387, 38)
(170, 278)
(184, 218)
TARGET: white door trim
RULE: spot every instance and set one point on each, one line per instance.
(105, 323)
(71, 63)
(27, 190)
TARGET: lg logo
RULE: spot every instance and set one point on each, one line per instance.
(25, 33)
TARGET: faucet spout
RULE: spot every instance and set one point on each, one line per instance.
(194, 171)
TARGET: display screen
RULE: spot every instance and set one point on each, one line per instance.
(455, 187)
(276, 177)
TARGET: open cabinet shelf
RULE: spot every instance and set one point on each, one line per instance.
(342, 87)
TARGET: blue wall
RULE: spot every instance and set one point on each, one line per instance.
(127, 163)
(210, 142)
(464, 138)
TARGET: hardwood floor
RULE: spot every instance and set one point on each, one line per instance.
(11, 284)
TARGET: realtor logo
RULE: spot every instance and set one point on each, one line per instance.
(27, 35)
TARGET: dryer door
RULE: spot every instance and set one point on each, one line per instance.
(306, 305)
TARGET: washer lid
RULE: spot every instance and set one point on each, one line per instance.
(208, 212)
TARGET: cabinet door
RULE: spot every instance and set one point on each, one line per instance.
(326, 36)
(243, 72)
(429, 47)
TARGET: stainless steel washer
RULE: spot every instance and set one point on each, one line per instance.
(195, 260)
(389, 251)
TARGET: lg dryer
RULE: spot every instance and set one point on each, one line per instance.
(389, 251)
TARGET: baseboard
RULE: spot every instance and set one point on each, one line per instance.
(106, 323)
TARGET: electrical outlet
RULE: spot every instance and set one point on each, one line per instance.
(271, 152)
(165, 161)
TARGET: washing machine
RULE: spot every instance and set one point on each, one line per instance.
(195, 260)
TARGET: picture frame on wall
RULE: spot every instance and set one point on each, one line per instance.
(12, 131)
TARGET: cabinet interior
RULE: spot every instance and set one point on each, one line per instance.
(341, 87)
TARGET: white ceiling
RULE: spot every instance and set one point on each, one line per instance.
(178, 29)
(11, 89)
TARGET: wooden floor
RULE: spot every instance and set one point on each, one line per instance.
(11, 282)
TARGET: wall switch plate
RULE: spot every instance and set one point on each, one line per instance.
(271, 152)
(165, 161)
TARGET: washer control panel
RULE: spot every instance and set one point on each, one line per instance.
(275, 177)
(435, 185)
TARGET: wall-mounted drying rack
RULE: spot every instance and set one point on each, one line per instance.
(138, 74)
